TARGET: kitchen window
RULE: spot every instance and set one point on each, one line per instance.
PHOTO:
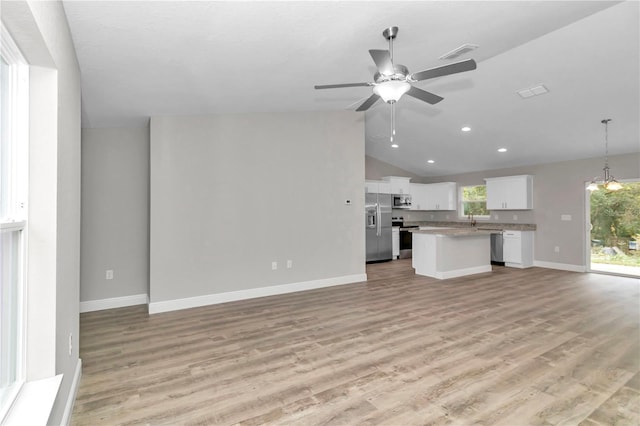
(473, 201)
(13, 224)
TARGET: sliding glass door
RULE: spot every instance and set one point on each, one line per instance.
(614, 230)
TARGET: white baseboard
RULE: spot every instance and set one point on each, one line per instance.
(114, 302)
(213, 299)
(463, 272)
(73, 392)
(560, 266)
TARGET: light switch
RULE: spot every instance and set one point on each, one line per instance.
(566, 217)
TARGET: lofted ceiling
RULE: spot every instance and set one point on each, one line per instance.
(146, 58)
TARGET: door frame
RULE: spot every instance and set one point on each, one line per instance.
(587, 230)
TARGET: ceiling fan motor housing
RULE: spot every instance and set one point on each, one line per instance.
(400, 73)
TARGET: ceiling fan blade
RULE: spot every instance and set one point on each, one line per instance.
(339, 86)
(368, 103)
(423, 95)
(466, 65)
(382, 58)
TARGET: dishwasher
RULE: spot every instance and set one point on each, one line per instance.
(497, 256)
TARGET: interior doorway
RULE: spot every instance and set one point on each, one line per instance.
(613, 219)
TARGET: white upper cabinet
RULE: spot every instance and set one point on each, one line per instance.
(433, 196)
(370, 186)
(399, 185)
(510, 193)
(442, 196)
(377, 187)
(419, 196)
(384, 188)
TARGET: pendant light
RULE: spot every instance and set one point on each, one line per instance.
(610, 183)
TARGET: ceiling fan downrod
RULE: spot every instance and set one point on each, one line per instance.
(389, 34)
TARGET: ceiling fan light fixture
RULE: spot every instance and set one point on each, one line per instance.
(392, 90)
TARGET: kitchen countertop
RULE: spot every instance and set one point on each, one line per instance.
(483, 226)
(452, 232)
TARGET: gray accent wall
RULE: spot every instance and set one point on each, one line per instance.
(115, 213)
(377, 169)
(230, 194)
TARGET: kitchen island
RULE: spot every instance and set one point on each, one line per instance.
(451, 252)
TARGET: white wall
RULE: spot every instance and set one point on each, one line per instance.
(232, 193)
(41, 32)
(115, 213)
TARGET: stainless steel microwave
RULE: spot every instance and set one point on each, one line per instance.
(401, 201)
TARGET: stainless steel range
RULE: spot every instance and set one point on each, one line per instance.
(406, 239)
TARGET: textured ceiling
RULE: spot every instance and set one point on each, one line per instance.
(140, 59)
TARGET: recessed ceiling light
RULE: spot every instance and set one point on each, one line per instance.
(430, 161)
(394, 145)
(502, 149)
(466, 129)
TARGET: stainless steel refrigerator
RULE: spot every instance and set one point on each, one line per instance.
(378, 227)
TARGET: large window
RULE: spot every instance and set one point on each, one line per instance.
(473, 201)
(13, 224)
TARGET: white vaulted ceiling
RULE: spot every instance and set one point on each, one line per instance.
(140, 59)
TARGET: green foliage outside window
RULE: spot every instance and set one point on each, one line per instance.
(474, 200)
(615, 216)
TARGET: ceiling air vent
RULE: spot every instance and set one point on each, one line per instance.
(532, 91)
(459, 51)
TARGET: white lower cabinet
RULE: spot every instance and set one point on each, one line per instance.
(517, 248)
(395, 242)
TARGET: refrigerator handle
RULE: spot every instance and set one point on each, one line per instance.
(379, 213)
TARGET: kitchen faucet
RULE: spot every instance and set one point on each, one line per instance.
(472, 221)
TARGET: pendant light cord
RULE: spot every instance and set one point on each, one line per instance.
(606, 141)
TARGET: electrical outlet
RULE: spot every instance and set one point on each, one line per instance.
(556, 249)
(108, 274)
(496, 217)
(430, 216)
(515, 217)
(274, 266)
(70, 343)
(289, 264)
(566, 217)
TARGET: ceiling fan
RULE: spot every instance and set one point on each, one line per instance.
(391, 81)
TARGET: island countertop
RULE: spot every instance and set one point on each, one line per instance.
(452, 232)
(481, 225)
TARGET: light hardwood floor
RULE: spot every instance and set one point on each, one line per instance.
(512, 347)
